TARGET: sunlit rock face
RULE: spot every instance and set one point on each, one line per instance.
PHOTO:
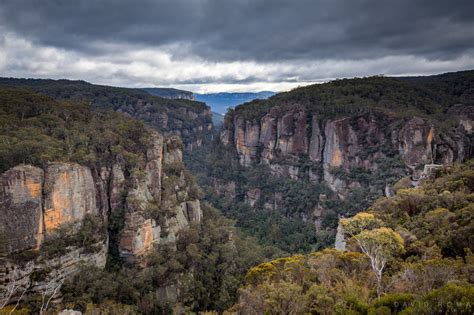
(69, 195)
(34, 204)
(416, 142)
(347, 142)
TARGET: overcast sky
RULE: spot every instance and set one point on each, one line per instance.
(237, 45)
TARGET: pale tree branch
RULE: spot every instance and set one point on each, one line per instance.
(27, 286)
(51, 289)
(14, 285)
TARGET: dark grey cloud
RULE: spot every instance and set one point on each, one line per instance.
(232, 45)
(246, 30)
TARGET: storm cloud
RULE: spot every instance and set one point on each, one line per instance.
(236, 45)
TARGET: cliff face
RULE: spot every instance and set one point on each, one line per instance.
(159, 203)
(70, 195)
(193, 125)
(39, 205)
(35, 204)
(281, 138)
(21, 201)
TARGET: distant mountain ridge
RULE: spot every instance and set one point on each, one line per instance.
(170, 93)
(220, 102)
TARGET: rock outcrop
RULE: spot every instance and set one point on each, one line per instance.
(34, 204)
(43, 274)
(69, 195)
(280, 138)
(38, 205)
(340, 242)
(21, 198)
(159, 203)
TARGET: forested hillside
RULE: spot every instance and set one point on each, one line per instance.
(407, 96)
(36, 130)
(170, 93)
(191, 120)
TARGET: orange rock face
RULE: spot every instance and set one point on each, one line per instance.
(336, 159)
(281, 137)
(70, 195)
(34, 187)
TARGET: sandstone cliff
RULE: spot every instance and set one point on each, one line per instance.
(349, 140)
(37, 206)
(44, 209)
(280, 139)
(159, 202)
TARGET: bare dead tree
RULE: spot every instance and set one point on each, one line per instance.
(25, 288)
(6, 295)
(50, 290)
(15, 285)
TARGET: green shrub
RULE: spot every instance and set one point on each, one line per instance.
(395, 302)
(450, 299)
(85, 234)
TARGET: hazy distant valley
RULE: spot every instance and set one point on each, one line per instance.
(219, 102)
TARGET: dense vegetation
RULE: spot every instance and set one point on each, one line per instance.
(206, 266)
(281, 230)
(419, 242)
(280, 220)
(35, 129)
(421, 96)
(161, 113)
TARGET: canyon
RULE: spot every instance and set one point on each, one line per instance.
(305, 158)
(111, 182)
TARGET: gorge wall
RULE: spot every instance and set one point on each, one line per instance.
(192, 124)
(286, 168)
(338, 145)
(54, 218)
